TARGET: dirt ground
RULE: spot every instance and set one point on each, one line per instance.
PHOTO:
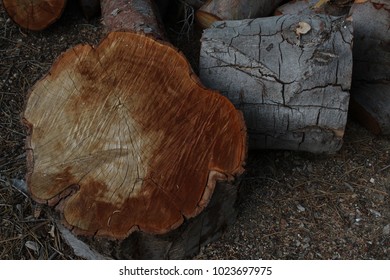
(292, 205)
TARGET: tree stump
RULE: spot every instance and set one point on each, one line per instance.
(34, 15)
(214, 10)
(370, 92)
(134, 153)
(290, 75)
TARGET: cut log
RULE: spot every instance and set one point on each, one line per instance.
(34, 15)
(131, 148)
(371, 71)
(90, 8)
(290, 75)
(215, 10)
(333, 8)
(136, 16)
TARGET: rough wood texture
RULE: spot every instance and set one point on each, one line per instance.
(290, 75)
(124, 138)
(333, 8)
(371, 70)
(135, 15)
(34, 15)
(214, 10)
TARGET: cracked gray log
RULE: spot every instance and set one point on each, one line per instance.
(290, 75)
(370, 94)
(214, 10)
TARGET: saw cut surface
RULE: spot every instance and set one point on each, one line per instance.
(34, 14)
(123, 137)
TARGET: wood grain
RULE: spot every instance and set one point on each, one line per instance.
(124, 137)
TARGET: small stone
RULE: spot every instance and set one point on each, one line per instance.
(372, 181)
(375, 213)
(386, 230)
(300, 208)
(115, 12)
(20, 185)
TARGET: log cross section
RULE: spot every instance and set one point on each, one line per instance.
(123, 137)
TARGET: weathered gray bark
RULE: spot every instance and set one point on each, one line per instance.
(290, 82)
(371, 74)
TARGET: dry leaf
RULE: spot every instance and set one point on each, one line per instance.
(303, 28)
(32, 245)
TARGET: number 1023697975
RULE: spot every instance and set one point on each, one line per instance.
(245, 270)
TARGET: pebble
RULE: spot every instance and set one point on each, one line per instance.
(300, 208)
(20, 185)
(386, 230)
(375, 213)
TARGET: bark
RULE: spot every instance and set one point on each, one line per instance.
(135, 15)
(371, 71)
(181, 243)
(214, 10)
(333, 8)
(129, 147)
(290, 75)
(34, 15)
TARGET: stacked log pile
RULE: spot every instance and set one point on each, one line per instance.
(141, 159)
